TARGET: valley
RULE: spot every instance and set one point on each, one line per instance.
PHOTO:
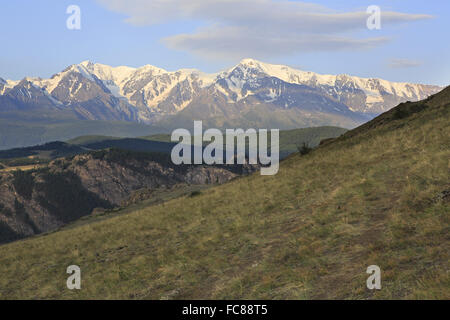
(225, 159)
(378, 194)
(106, 173)
(97, 99)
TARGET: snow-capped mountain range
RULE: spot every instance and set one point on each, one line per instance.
(249, 90)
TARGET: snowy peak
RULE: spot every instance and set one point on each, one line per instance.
(258, 66)
(149, 68)
(369, 95)
(254, 67)
(152, 92)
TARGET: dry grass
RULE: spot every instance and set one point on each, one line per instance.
(307, 233)
(23, 168)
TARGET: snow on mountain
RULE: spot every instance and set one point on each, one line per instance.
(150, 92)
(150, 89)
(360, 94)
(6, 85)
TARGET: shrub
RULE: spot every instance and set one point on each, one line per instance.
(304, 149)
(407, 109)
(400, 113)
(195, 193)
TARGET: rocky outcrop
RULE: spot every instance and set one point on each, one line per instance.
(41, 200)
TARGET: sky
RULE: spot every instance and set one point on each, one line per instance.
(328, 37)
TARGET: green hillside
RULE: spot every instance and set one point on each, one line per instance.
(82, 140)
(20, 133)
(379, 194)
(290, 140)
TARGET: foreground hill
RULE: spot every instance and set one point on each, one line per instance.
(377, 195)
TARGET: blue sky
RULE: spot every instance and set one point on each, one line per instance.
(320, 36)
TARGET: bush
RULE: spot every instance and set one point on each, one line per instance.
(407, 109)
(400, 113)
(304, 149)
(195, 193)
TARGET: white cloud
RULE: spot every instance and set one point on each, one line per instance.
(239, 42)
(404, 63)
(256, 28)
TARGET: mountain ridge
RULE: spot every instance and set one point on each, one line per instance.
(147, 94)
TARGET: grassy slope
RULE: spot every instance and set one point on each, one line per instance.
(309, 232)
